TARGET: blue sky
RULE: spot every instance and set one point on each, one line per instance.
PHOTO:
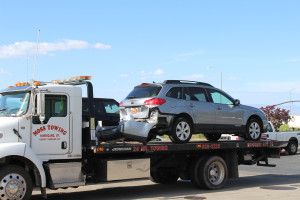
(255, 44)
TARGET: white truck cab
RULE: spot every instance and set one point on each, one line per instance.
(39, 123)
(293, 138)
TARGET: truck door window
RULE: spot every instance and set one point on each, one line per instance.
(55, 106)
(111, 107)
(270, 129)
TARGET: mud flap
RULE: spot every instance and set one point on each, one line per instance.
(137, 131)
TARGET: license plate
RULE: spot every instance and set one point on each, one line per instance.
(134, 110)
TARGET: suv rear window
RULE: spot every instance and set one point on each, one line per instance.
(144, 92)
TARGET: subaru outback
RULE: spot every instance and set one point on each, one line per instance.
(182, 108)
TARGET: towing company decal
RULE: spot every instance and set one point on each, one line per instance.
(53, 132)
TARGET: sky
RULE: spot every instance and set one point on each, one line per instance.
(255, 45)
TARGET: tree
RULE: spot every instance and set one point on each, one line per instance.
(277, 116)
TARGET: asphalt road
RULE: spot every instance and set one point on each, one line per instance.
(281, 182)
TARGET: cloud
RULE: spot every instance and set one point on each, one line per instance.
(158, 72)
(193, 77)
(293, 60)
(194, 53)
(25, 48)
(3, 72)
(124, 75)
(153, 74)
(102, 46)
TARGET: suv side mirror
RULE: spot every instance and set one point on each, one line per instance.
(237, 102)
(41, 106)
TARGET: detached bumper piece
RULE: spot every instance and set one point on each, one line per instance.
(128, 129)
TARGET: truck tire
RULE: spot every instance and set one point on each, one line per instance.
(210, 173)
(253, 130)
(181, 131)
(292, 147)
(164, 176)
(212, 136)
(15, 183)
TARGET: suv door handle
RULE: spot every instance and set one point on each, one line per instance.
(219, 108)
(192, 105)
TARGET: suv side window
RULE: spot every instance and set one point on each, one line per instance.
(196, 94)
(175, 92)
(218, 97)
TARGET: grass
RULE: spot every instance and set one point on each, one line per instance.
(194, 137)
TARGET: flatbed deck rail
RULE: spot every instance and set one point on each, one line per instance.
(152, 147)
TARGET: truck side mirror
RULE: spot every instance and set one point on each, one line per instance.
(41, 106)
(237, 102)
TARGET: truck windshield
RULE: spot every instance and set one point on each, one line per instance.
(14, 104)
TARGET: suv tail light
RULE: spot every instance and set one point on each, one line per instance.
(121, 104)
(155, 102)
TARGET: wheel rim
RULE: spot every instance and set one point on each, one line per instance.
(293, 148)
(254, 130)
(12, 186)
(216, 173)
(183, 131)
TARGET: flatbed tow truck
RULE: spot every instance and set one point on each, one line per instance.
(45, 142)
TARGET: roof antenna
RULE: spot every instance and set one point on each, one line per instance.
(37, 48)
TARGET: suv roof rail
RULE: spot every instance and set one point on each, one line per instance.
(185, 82)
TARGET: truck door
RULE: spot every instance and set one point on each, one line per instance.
(52, 136)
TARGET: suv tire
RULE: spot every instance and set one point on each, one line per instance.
(181, 131)
(253, 130)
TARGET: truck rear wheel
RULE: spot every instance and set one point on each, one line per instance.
(292, 147)
(164, 176)
(209, 172)
(15, 183)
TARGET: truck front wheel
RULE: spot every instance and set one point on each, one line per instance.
(15, 183)
(292, 147)
(210, 172)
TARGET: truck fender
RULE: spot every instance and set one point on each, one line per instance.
(22, 150)
(29, 154)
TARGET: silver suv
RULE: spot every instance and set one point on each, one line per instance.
(181, 108)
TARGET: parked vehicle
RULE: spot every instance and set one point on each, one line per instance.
(182, 108)
(47, 141)
(293, 138)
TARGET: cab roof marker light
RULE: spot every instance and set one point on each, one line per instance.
(71, 80)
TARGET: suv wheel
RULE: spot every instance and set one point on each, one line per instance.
(181, 131)
(253, 130)
(212, 136)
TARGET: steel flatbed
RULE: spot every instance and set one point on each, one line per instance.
(161, 146)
